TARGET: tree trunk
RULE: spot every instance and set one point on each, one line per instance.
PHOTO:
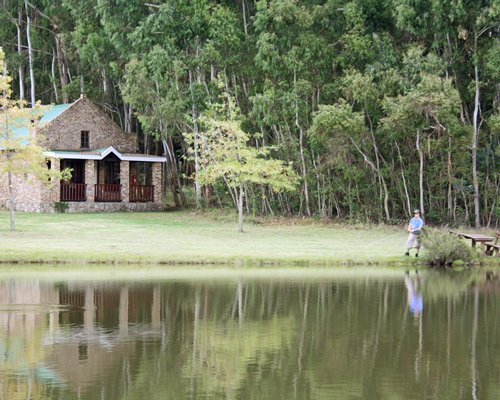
(172, 174)
(30, 55)
(450, 180)
(232, 192)
(9, 173)
(302, 157)
(61, 63)
(404, 180)
(19, 52)
(245, 24)
(475, 136)
(82, 89)
(380, 178)
(194, 113)
(106, 85)
(128, 113)
(420, 174)
(240, 209)
(53, 74)
(11, 200)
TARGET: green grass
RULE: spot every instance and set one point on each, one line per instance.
(188, 238)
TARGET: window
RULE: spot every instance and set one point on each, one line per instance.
(85, 140)
(49, 167)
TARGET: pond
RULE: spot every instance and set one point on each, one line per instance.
(296, 334)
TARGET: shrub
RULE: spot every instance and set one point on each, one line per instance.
(444, 248)
(61, 206)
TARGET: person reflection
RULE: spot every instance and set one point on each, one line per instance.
(415, 298)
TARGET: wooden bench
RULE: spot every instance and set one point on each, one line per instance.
(493, 248)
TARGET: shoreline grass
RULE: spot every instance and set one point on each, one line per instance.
(188, 238)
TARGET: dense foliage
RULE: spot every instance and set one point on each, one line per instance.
(381, 105)
(444, 248)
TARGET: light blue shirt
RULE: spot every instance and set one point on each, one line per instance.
(416, 224)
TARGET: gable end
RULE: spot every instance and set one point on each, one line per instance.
(64, 132)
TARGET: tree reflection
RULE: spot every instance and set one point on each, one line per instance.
(356, 337)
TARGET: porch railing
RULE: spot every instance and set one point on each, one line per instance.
(73, 191)
(108, 192)
(141, 193)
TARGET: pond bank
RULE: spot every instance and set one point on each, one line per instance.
(181, 238)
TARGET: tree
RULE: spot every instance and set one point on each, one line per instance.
(431, 111)
(20, 157)
(463, 33)
(226, 155)
(153, 67)
(335, 132)
(159, 118)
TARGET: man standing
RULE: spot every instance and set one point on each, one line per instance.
(415, 229)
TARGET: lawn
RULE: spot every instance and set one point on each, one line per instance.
(188, 237)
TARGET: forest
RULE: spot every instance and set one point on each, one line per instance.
(378, 106)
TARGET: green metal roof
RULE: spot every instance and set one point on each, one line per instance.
(97, 152)
(46, 114)
(53, 111)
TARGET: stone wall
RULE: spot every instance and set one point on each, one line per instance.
(52, 192)
(64, 132)
(124, 180)
(92, 207)
(157, 182)
(90, 178)
(27, 192)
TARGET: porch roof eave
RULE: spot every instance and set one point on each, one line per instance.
(100, 154)
(143, 157)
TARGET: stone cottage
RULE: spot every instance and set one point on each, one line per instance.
(108, 174)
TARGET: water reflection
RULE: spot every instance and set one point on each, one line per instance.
(360, 337)
(415, 299)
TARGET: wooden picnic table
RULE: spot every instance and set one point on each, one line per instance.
(476, 238)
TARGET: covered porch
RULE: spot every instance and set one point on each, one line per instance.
(107, 176)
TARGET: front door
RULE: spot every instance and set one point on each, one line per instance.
(112, 172)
